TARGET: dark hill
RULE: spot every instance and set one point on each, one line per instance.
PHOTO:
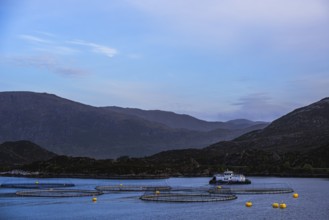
(71, 128)
(297, 139)
(302, 130)
(22, 152)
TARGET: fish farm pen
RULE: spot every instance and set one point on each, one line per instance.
(150, 192)
(185, 197)
(59, 193)
(36, 185)
(186, 194)
(253, 189)
(132, 188)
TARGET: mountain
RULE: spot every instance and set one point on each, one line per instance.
(70, 128)
(296, 144)
(302, 130)
(183, 121)
(22, 152)
(298, 139)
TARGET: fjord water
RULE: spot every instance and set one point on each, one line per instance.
(313, 202)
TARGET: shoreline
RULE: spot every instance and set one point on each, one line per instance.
(105, 176)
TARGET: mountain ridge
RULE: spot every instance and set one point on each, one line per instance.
(252, 153)
(291, 133)
(70, 128)
(184, 121)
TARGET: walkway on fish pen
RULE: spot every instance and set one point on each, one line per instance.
(268, 188)
(132, 188)
(185, 197)
(35, 185)
(59, 193)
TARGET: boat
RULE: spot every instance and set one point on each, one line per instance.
(229, 177)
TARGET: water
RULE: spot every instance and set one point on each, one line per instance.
(313, 202)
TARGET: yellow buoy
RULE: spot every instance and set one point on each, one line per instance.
(121, 185)
(295, 195)
(36, 182)
(248, 204)
(219, 187)
(94, 199)
(283, 205)
(157, 192)
(275, 205)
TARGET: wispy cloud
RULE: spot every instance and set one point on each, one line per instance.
(239, 12)
(54, 49)
(53, 46)
(47, 44)
(97, 48)
(241, 22)
(245, 8)
(49, 48)
(34, 39)
(257, 106)
(48, 34)
(46, 62)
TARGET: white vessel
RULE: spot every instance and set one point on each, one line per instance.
(228, 177)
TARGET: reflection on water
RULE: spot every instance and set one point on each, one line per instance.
(313, 202)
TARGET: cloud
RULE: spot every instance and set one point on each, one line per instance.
(45, 45)
(64, 70)
(236, 23)
(52, 46)
(34, 39)
(268, 106)
(47, 62)
(257, 106)
(269, 12)
(97, 48)
(49, 53)
(48, 34)
(61, 50)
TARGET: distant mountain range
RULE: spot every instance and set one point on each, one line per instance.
(295, 144)
(70, 128)
(174, 120)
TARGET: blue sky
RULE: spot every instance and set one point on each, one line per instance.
(215, 60)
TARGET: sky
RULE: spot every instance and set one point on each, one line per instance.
(216, 60)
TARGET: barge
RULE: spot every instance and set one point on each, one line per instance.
(229, 177)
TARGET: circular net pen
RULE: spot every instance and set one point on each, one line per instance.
(59, 193)
(36, 185)
(185, 197)
(131, 188)
(255, 189)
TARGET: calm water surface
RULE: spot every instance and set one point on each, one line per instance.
(313, 202)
